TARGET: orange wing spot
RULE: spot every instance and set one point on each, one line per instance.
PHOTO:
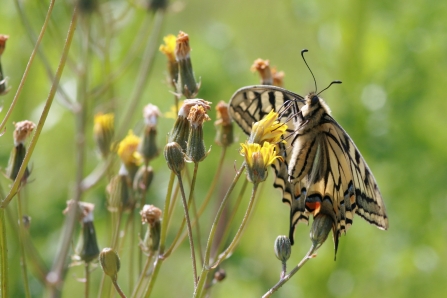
(313, 207)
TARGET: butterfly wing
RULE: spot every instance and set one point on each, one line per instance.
(340, 182)
(251, 104)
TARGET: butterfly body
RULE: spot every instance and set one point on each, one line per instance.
(323, 171)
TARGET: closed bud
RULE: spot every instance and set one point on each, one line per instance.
(186, 83)
(155, 5)
(152, 216)
(174, 157)
(4, 88)
(220, 275)
(195, 149)
(283, 248)
(321, 226)
(3, 39)
(224, 126)
(263, 68)
(22, 131)
(148, 146)
(143, 178)
(119, 193)
(110, 262)
(88, 246)
(278, 77)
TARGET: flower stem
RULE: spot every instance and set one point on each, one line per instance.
(164, 228)
(284, 279)
(142, 277)
(22, 246)
(240, 231)
(188, 226)
(205, 267)
(3, 255)
(117, 287)
(87, 279)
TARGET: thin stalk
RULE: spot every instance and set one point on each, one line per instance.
(179, 239)
(64, 98)
(240, 231)
(205, 267)
(164, 228)
(142, 77)
(3, 255)
(233, 214)
(188, 226)
(25, 74)
(117, 287)
(142, 277)
(22, 246)
(283, 280)
(87, 279)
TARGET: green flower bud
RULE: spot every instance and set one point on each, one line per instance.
(283, 248)
(143, 178)
(88, 245)
(174, 157)
(110, 262)
(152, 216)
(186, 83)
(195, 149)
(224, 126)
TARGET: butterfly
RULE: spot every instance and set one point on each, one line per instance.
(322, 170)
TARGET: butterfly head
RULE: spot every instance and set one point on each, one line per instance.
(315, 107)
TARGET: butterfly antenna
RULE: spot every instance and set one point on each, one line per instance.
(333, 82)
(302, 55)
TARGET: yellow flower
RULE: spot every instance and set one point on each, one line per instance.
(169, 46)
(173, 111)
(127, 149)
(268, 129)
(257, 159)
(103, 130)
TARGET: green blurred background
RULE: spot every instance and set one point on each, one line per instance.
(392, 59)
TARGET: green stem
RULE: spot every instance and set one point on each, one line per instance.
(288, 276)
(142, 77)
(143, 273)
(240, 231)
(22, 246)
(87, 279)
(188, 226)
(118, 289)
(180, 238)
(3, 255)
(25, 73)
(230, 220)
(164, 228)
(205, 267)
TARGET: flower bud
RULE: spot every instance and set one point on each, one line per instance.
(143, 178)
(174, 157)
(195, 149)
(103, 131)
(283, 248)
(88, 246)
(148, 146)
(278, 77)
(110, 262)
(152, 216)
(120, 197)
(224, 126)
(22, 131)
(263, 68)
(220, 275)
(186, 83)
(321, 226)
(3, 39)
(155, 5)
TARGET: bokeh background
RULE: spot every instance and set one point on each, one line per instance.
(392, 59)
